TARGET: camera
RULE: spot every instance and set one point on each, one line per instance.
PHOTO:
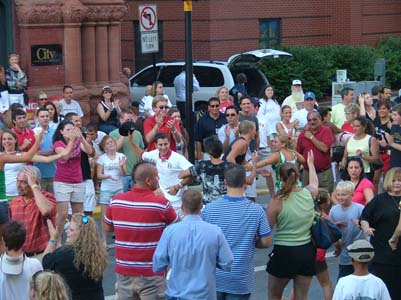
(126, 128)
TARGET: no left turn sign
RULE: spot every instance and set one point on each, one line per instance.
(148, 18)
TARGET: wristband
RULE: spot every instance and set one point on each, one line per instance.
(34, 186)
(311, 137)
(52, 241)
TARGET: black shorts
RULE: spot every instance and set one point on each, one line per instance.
(320, 266)
(3, 212)
(289, 261)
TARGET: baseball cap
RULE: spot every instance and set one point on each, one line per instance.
(309, 95)
(361, 250)
(296, 82)
(12, 265)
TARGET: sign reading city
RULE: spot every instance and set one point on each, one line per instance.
(148, 28)
(45, 55)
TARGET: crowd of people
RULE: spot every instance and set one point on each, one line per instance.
(173, 242)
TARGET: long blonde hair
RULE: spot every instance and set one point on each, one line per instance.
(89, 250)
(47, 285)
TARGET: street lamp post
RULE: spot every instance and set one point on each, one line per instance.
(189, 116)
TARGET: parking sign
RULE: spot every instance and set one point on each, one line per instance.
(148, 28)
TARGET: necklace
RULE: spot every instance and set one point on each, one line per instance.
(397, 204)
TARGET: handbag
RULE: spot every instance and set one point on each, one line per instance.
(337, 153)
(324, 232)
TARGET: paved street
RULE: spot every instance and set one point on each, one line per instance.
(260, 289)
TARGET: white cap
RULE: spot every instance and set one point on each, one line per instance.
(296, 82)
(12, 265)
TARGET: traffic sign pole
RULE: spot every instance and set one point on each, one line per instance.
(189, 114)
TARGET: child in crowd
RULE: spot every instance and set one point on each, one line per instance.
(346, 216)
(361, 284)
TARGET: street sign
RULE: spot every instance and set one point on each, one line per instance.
(148, 28)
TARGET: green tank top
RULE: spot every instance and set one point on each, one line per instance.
(276, 167)
(294, 222)
(3, 196)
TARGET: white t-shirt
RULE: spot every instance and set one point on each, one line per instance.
(11, 171)
(168, 173)
(301, 116)
(72, 107)
(97, 141)
(354, 287)
(111, 167)
(17, 286)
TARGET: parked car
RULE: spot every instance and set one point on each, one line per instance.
(210, 74)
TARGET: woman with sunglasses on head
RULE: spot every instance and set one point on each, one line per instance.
(47, 285)
(81, 261)
(108, 110)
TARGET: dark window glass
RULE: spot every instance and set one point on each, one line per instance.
(208, 76)
(145, 78)
(269, 33)
(168, 73)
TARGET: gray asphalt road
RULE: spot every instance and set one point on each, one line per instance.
(260, 289)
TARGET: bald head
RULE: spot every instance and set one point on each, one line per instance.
(142, 172)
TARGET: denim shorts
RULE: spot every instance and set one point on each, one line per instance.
(106, 196)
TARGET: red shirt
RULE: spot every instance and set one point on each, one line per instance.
(37, 233)
(25, 134)
(138, 218)
(322, 159)
(348, 128)
(151, 122)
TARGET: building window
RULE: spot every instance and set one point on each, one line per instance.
(143, 60)
(269, 33)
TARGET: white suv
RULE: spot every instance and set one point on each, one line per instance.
(210, 74)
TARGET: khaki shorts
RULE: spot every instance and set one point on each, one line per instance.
(69, 192)
(140, 287)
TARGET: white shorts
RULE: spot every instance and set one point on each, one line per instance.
(90, 196)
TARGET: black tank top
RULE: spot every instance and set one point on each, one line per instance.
(240, 158)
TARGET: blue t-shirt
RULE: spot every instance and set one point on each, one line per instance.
(351, 232)
(240, 220)
(47, 169)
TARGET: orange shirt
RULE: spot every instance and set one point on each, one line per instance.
(37, 233)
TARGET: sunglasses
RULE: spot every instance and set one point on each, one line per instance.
(214, 106)
(107, 92)
(309, 99)
(85, 219)
(42, 99)
(231, 115)
(163, 107)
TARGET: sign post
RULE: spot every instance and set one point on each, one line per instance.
(148, 28)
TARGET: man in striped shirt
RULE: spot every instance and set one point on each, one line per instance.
(245, 226)
(138, 219)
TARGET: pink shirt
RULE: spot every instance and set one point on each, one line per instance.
(359, 197)
(69, 171)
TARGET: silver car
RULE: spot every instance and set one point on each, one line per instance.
(210, 74)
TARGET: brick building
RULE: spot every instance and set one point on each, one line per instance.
(225, 27)
(99, 37)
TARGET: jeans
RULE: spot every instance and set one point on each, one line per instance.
(127, 183)
(227, 296)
